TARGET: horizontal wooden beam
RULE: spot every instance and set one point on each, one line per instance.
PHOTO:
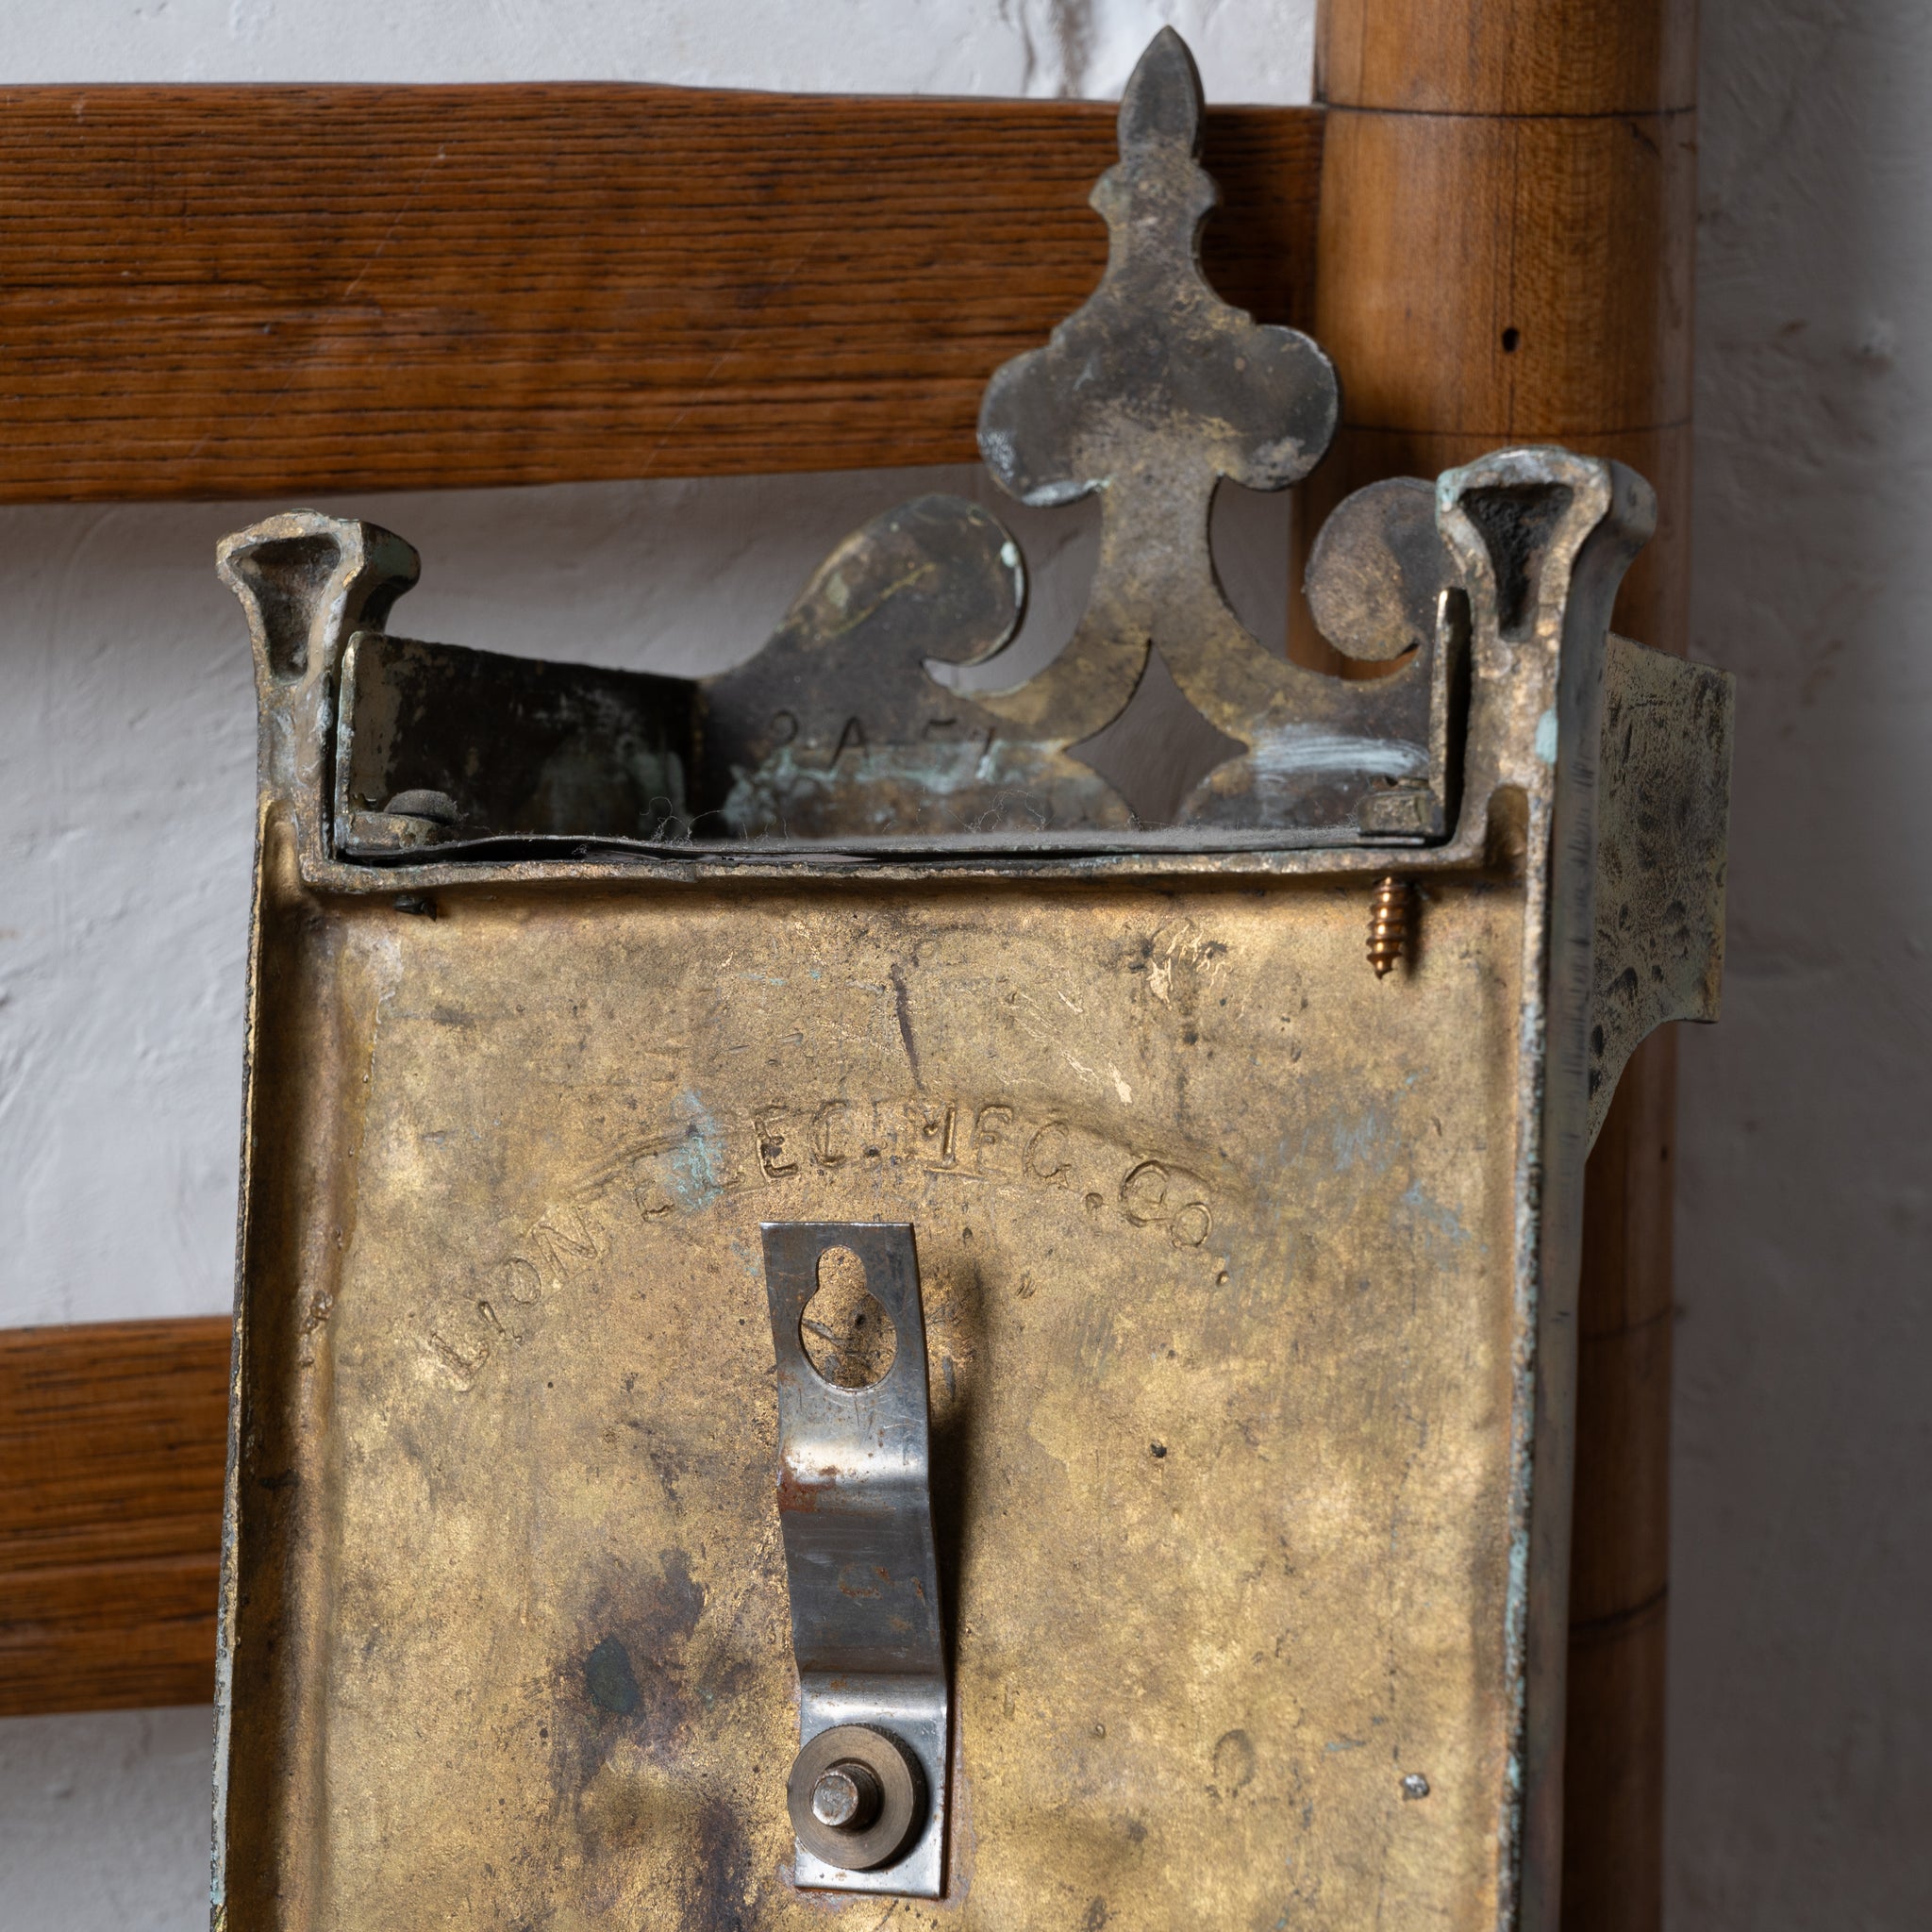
(277, 291)
(112, 1441)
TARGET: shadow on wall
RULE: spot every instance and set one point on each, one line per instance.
(1801, 1680)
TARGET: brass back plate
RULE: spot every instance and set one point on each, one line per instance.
(1248, 1278)
(1216, 1257)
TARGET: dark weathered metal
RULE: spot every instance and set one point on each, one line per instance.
(1375, 569)
(1664, 833)
(439, 745)
(855, 1795)
(884, 714)
(1380, 588)
(1154, 395)
(834, 732)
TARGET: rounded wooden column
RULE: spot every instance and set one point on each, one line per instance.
(1504, 257)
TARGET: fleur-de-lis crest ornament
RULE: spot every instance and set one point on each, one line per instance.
(1149, 396)
(1162, 708)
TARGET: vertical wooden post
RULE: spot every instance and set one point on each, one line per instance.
(1504, 257)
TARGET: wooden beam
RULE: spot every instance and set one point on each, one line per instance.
(1505, 256)
(230, 290)
(113, 1440)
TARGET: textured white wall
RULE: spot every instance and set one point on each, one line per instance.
(103, 1821)
(1258, 51)
(1801, 1689)
(1801, 1674)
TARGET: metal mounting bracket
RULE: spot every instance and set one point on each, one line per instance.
(867, 1792)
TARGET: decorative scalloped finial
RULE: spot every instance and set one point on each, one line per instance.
(1150, 394)
(1161, 101)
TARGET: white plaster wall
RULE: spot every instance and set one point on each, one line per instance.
(1256, 51)
(1801, 1722)
(1801, 1670)
(103, 1821)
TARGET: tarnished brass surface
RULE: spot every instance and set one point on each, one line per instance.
(1247, 1275)
(1215, 1270)
(1247, 1237)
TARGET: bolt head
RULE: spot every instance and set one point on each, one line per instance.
(855, 1797)
(835, 1798)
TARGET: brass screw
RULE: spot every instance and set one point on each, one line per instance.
(1391, 925)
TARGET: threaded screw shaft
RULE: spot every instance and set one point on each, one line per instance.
(1391, 925)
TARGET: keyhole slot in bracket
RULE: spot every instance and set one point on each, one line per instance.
(855, 1506)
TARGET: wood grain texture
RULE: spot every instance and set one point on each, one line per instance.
(1505, 256)
(113, 1437)
(1506, 280)
(1620, 1553)
(221, 292)
(1507, 57)
(1508, 277)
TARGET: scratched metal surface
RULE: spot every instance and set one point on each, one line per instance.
(1249, 1274)
(506, 1636)
(1216, 1259)
(1662, 848)
(512, 1124)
